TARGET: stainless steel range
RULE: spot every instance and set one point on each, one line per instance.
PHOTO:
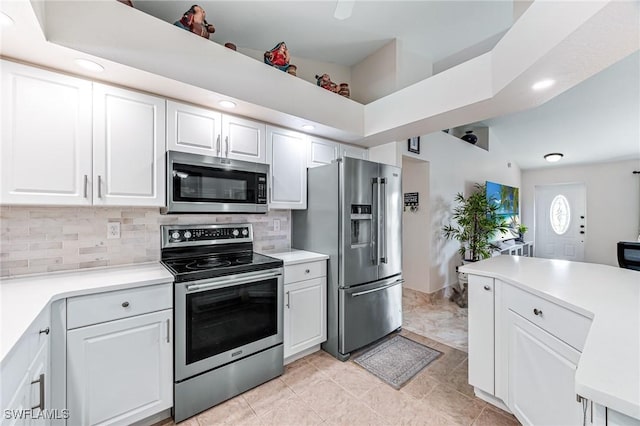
(228, 309)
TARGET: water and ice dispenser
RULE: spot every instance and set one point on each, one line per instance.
(361, 223)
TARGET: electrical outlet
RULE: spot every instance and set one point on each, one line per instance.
(113, 230)
(276, 225)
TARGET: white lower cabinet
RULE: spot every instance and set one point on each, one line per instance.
(481, 333)
(120, 372)
(305, 311)
(541, 376)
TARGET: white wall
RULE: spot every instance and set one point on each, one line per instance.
(455, 166)
(375, 76)
(416, 247)
(613, 203)
(389, 153)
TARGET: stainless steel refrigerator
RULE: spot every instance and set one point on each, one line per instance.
(354, 215)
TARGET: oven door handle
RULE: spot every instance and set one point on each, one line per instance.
(226, 282)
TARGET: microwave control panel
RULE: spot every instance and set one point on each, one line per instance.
(262, 189)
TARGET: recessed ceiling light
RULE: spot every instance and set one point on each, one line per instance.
(227, 104)
(5, 20)
(553, 157)
(89, 65)
(308, 127)
(543, 84)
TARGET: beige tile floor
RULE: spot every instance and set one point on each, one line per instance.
(319, 389)
(434, 316)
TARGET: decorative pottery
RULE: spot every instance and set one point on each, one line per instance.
(470, 137)
(278, 57)
(343, 90)
(194, 20)
(292, 69)
(230, 46)
(127, 2)
(325, 82)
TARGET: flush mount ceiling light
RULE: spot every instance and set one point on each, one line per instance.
(543, 84)
(89, 65)
(5, 20)
(227, 104)
(308, 127)
(553, 157)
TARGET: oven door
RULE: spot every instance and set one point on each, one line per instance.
(200, 184)
(225, 319)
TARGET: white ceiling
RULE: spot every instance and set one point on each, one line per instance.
(597, 120)
(432, 29)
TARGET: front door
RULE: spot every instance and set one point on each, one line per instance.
(560, 221)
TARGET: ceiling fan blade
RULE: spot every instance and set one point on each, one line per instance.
(344, 8)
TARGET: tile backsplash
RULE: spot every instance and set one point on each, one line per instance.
(35, 239)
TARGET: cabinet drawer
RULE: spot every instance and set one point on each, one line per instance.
(566, 325)
(305, 271)
(101, 307)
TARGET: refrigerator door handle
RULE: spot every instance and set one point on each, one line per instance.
(383, 202)
(375, 246)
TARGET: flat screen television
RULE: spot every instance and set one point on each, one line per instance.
(507, 198)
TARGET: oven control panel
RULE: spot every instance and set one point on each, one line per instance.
(205, 234)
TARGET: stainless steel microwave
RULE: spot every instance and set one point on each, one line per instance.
(203, 184)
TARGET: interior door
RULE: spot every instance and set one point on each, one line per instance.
(359, 188)
(560, 221)
(390, 221)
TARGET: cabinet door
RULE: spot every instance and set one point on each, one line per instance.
(193, 129)
(481, 333)
(243, 139)
(321, 152)
(129, 148)
(305, 315)
(541, 374)
(354, 152)
(287, 157)
(45, 147)
(121, 371)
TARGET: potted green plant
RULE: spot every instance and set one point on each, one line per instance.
(476, 223)
(521, 230)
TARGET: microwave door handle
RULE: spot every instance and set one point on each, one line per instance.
(383, 202)
(226, 141)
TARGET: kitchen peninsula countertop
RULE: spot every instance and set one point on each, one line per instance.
(294, 256)
(23, 298)
(608, 372)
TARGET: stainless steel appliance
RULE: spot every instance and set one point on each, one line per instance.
(202, 184)
(354, 214)
(228, 310)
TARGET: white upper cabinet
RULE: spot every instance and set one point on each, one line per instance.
(244, 139)
(322, 151)
(354, 152)
(129, 148)
(287, 157)
(46, 137)
(192, 129)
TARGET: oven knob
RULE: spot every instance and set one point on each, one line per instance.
(245, 232)
(187, 234)
(236, 232)
(175, 235)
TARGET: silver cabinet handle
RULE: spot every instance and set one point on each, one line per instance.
(537, 311)
(86, 184)
(486, 287)
(99, 186)
(226, 141)
(168, 330)
(41, 385)
(306, 271)
(218, 145)
(45, 331)
(288, 301)
(125, 304)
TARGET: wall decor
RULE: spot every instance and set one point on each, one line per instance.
(414, 145)
(470, 137)
(411, 200)
(278, 57)
(194, 20)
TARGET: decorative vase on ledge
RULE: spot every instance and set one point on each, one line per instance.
(470, 137)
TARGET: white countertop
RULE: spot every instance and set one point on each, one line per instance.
(23, 298)
(609, 368)
(294, 256)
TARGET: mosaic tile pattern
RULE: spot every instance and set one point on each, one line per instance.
(318, 389)
(434, 316)
(47, 239)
